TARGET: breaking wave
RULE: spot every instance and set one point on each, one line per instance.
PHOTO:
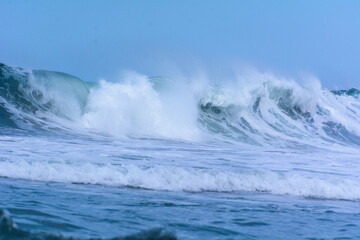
(167, 178)
(265, 111)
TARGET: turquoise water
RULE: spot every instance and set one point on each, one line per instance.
(158, 159)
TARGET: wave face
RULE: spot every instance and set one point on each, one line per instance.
(265, 111)
(34, 98)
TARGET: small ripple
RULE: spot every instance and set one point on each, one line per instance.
(252, 224)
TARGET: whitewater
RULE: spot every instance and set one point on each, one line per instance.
(255, 157)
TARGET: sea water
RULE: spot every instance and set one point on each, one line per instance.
(152, 158)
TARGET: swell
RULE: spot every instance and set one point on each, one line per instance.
(265, 111)
(10, 230)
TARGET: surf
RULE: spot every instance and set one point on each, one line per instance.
(266, 111)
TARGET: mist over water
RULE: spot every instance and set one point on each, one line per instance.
(255, 135)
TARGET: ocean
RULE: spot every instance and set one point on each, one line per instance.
(260, 157)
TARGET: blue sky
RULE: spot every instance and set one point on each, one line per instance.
(94, 39)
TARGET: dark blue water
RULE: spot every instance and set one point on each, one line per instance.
(91, 211)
